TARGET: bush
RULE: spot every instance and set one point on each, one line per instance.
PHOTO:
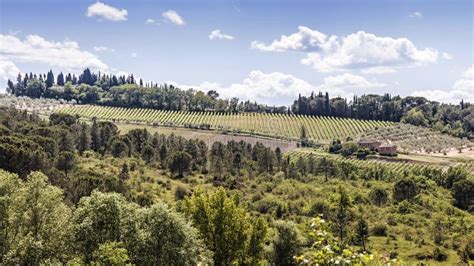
(379, 230)
(439, 254)
(181, 192)
(349, 148)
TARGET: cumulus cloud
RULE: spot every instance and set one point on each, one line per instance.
(36, 49)
(281, 89)
(463, 89)
(8, 70)
(360, 50)
(173, 17)
(416, 14)
(106, 12)
(103, 49)
(218, 35)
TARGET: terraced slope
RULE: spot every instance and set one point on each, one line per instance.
(275, 125)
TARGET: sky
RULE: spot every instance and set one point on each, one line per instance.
(259, 50)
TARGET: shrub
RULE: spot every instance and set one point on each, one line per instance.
(439, 254)
(379, 230)
(181, 192)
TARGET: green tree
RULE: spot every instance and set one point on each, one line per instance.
(102, 218)
(463, 193)
(362, 232)
(342, 213)
(179, 163)
(405, 189)
(168, 239)
(149, 154)
(36, 220)
(286, 244)
(225, 227)
(84, 142)
(415, 117)
(66, 161)
(378, 196)
(111, 253)
(118, 148)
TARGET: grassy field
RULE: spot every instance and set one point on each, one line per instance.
(274, 125)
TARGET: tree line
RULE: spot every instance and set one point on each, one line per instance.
(457, 120)
(126, 91)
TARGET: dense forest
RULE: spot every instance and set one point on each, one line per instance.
(126, 91)
(83, 193)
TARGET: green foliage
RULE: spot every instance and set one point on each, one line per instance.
(326, 250)
(179, 163)
(405, 189)
(35, 222)
(226, 227)
(463, 193)
(111, 253)
(348, 148)
(378, 196)
(287, 243)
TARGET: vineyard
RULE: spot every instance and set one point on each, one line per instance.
(275, 125)
(394, 166)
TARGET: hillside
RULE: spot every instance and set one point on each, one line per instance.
(274, 125)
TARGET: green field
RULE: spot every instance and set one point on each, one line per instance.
(275, 125)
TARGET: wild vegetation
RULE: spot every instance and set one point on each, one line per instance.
(103, 197)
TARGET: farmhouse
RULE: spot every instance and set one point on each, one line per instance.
(387, 149)
(369, 144)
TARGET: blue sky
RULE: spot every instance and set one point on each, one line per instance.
(405, 47)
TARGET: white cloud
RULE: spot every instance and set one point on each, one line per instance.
(378, 70)
(134, 55)
(173, 17)
(281, 89)
(103, 49)
(150, 21)
(463, 89)
(469, 73)
(36, 49)
(218, 35)
(358, 50)
(305, 40)
(107, 12)
(447, 56)
(8, 70)
(416, 14)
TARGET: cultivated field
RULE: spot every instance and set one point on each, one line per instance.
(399, 165)
(274, 125)
(420, 140)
